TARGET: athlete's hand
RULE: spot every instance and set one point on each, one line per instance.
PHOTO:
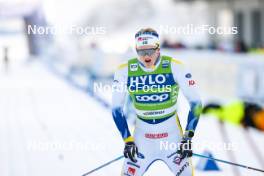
(185, 148)
(131, 151)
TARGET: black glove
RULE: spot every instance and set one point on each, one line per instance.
(131, 151)
(185, 149)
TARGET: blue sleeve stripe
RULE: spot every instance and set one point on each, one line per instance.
(193, 116)
(192, 121)
(121, 123)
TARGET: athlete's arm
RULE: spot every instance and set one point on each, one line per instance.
(188, 87)
(118, 100)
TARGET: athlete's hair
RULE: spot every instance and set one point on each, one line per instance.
(147, 30)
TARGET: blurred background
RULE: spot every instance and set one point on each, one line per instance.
(53, 53)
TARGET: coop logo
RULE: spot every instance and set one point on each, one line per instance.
(152, 98)
(134, 67)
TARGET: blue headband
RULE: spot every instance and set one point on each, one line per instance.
(147, 33)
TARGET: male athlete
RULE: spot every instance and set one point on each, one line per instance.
(153, 82)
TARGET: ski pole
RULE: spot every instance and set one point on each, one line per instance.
(194, 154)
(228, 162)
(225, 136)
(103, 165)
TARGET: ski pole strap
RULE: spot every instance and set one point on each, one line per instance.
(228, 162)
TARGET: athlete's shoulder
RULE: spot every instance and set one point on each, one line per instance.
(177, 66)
(125, 64)
(176, 61)
(122, 66)
(173, 60)
(121, 71)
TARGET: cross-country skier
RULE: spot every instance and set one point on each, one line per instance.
(153, 82)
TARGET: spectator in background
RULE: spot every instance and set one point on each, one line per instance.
(172, 45)
(238, 113)
(240, 47)
(165, 44)
(6, 59)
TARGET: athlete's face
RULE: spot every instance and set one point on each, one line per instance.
(148, 55)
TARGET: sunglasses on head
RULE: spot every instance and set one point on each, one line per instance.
(144, 52)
